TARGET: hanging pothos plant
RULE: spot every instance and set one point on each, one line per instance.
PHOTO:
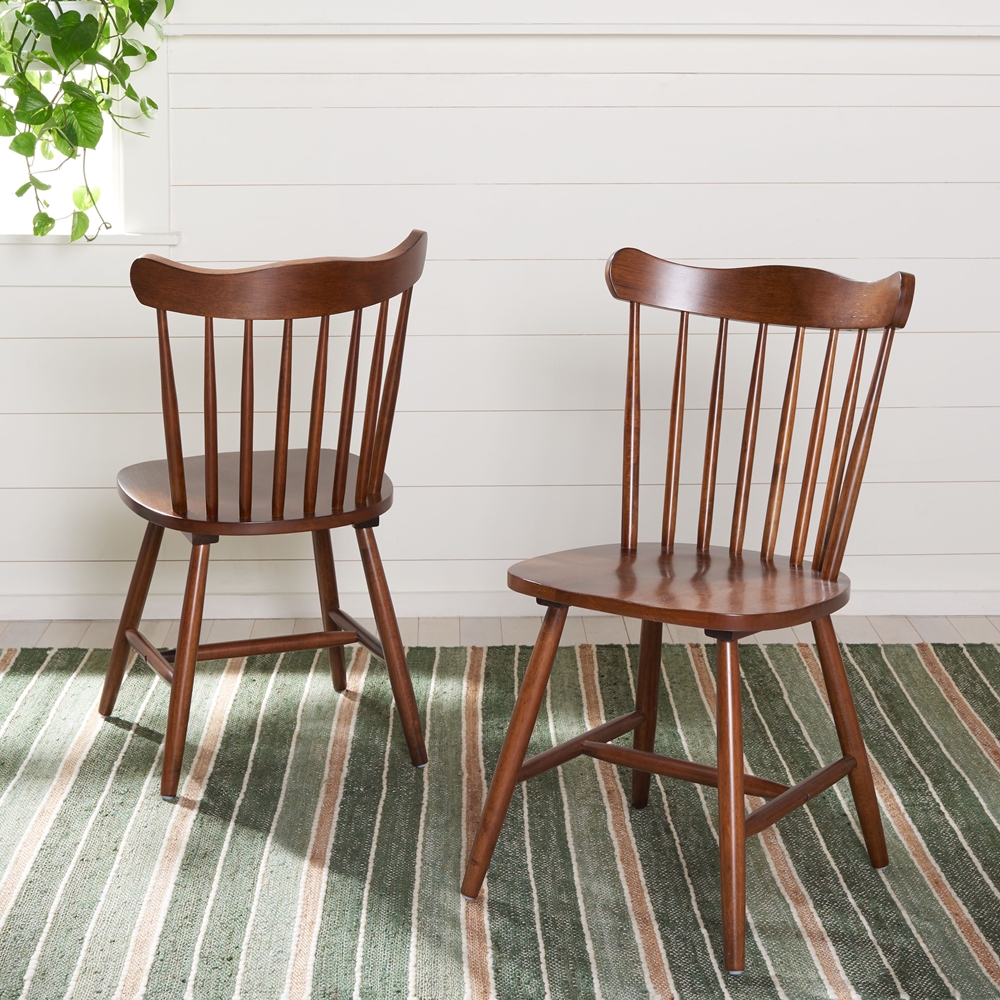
(66, 68)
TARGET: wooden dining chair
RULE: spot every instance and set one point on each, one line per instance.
(727, 591)
(277, 492)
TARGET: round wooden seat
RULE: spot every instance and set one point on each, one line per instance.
(145, 488)
(710, 590)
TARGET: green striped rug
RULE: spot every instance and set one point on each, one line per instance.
(306, 857)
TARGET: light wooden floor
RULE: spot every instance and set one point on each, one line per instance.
(503, 631)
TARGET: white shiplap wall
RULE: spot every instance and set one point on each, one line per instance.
(530, 141)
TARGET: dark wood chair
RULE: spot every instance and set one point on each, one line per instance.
(727, 591)
(274, 492)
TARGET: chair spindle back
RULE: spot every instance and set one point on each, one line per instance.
(800, 298)
(288, 291)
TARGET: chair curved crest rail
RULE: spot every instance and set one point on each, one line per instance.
(728, 591)
(275, 491)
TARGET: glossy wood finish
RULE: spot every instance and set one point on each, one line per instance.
(280, 491)
(647, 692)
(138, 590)
(529, 700)
(729, 592)
(329, 600)
(186, 656)
(709, 590)
(732, 815)
(392, 644)
(852, 743)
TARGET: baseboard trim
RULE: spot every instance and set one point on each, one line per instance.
(467, 604)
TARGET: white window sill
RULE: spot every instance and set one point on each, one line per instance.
(107, 239)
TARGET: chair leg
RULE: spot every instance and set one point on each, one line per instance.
(184, 663)
(131, 615)
(732, 815)
(392, 645)
(329, 600)
(852, 743)
(647, 697)
(515, 745)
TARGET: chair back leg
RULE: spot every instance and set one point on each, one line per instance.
(184, 662)
(515, 746)
(392, 644)
(852, 743)
(329, 600)
(131, 615)
(732, 814)
(647, 697)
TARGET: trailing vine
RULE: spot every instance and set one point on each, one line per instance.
(66, 68)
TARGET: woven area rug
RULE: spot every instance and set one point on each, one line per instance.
(306, 857)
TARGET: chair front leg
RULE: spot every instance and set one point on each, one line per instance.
(732, 811)
(329, 600)
(515, 745)
(131, 615)
(184, 663)
(392, 646)
(852, 743)
(647, 697)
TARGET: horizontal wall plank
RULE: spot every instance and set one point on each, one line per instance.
(877, 14)
(305, 53)
(583, 145)
(711, 88)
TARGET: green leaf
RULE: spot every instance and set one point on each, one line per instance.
(42, 19)
(76, 90)
(87, 122)
(91, 57)
(42, 224)
(79, 226)
(131, 94)
(24, 144)
(68, 20)
(148, 106)
(76, 40)
(23, 190)
(64, 142)
(84, 197)
(7, 124)
(40, 55)
(122, 70)
(150, 54)
(33, 108)
(142, 10)
(128, 49)
(168, 6)
(122, 4)
(37, 184)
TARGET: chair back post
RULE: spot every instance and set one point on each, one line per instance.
(836, 546)
(211, 407)
(171, 418)
(804, 299)
(387, 408)
(630, 452)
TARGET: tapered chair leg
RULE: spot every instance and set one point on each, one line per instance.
(647, 697)
(329, 600)
(392, 646)
(852, 743)
(515, 745)
(184, 663)
(131, 615)
(732, 814)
